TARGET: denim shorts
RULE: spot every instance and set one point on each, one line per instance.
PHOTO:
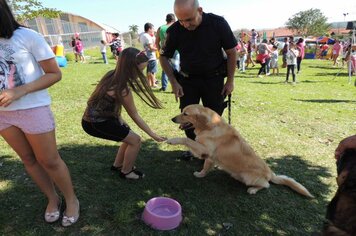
(152, 66)
(36, 120)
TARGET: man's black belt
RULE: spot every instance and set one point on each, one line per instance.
(204, 75)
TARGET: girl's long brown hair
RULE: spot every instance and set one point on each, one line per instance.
(8, 23)
(126, 74)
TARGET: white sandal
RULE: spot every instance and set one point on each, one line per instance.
(51, 217)
(68, 221)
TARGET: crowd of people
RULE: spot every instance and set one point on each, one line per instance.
(266, 53)
(205, 74)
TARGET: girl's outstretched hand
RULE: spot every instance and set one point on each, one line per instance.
(158, 138)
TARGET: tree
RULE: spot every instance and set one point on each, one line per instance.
(29, 9)
(309, 22)
(133, 30)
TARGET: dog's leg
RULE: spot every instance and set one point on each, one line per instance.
(208, 164)
(198, 149)
(257, 185)
(254, 190)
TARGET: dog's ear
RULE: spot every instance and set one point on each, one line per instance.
(201, 119)
(208, 121)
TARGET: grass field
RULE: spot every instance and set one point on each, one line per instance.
(295, 129)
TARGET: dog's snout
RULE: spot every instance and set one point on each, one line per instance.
(174, 119)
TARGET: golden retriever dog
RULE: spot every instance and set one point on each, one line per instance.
(220, 144)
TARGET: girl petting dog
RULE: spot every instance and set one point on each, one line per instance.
(102, 117)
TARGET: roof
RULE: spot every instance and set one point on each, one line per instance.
(108, 28)
(278, 32)
(105, 27)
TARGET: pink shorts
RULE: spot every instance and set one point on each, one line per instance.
(36, 120)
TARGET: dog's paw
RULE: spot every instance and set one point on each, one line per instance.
(174, 141)
(200, 174)
(252, 190)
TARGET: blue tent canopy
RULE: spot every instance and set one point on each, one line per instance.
(324, 39)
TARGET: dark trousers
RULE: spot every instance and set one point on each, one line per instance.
(206, 89)
(290, 68)
(262, 69)
(299, 61)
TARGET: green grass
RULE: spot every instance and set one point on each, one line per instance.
(295, 129)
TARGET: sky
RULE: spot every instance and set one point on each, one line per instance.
(257, 14)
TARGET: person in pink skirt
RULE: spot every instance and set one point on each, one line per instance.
(337, 48)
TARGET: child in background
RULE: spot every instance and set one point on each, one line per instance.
(72, 45)
(103, 51)
(238, 46)
(242, 54)
(102, 117)
(274, 60)
(350, 60)
(116, 45)
(301, 48)
(291, 58)
(337, 48)
(79, 49)
(249, 59)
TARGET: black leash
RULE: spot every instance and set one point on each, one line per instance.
(229, 108)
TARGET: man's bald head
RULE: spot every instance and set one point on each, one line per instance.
(189, 13)
(186, 3)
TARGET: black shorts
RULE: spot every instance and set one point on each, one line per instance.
(110, 129)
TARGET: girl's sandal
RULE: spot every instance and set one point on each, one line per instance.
(70, 220)
(115, 168)
(51, 217)
(133, 174)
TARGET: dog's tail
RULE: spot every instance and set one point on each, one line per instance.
(285, 180)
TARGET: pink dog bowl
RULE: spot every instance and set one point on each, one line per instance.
(162, 213)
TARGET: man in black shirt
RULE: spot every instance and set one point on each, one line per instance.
(202, 40)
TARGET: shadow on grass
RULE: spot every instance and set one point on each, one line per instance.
(328, 67)
(267, 82)
(110, 205)
(314, 81)
(336, 73)
(325, 100)
(242, 75)
(96, 62)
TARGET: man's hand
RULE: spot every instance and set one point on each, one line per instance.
(177, 90)
(228, 88)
